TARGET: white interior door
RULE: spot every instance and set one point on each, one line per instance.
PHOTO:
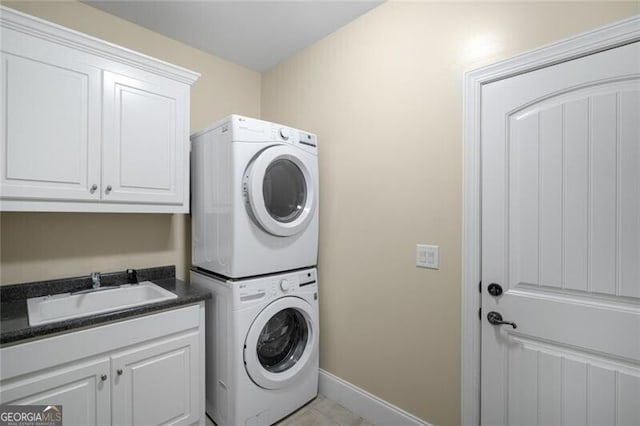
(561, 236)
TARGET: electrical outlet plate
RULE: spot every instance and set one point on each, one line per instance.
(427, 256)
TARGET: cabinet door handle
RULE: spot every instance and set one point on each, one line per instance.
(119, 371)
(103, 377)
(108, 189)
(93, 188)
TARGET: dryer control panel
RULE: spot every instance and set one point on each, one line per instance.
(246, 129)
(298, 138)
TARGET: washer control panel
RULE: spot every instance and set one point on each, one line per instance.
(284, 285)
(276, 286)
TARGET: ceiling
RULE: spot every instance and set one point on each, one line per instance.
(255, 34)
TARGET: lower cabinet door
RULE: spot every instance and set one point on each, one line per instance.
(82, 389)
(157, 383)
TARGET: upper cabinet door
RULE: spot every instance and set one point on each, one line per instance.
(50, 121)
(145, 149)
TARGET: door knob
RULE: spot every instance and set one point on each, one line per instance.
(103, 377)
(119, 371)
(108, 189)
(494, 289)
(93, 188)
(496, 319)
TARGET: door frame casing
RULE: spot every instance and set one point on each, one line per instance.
(603, 38)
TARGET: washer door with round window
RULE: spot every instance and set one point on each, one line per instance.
(279, 191)
(281, 343)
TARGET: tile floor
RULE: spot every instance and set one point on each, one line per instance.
(320, 412)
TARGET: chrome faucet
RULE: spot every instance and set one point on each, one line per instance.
(95, 279)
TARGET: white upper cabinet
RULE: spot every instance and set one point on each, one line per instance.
(87, 125)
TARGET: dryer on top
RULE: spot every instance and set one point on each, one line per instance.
(254, 198)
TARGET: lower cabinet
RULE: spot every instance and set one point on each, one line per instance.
(145, 379)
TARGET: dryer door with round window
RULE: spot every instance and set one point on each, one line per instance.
(280, 343)
(279, 191)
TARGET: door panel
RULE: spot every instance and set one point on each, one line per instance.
(561, 234)
(629, 193)
(42, 158)
(553, 385)
(80, 390)
(157, 384)
(576, 185)
(144, 146)
(567, 188)
(602, 193)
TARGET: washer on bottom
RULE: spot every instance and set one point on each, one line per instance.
(261, 345)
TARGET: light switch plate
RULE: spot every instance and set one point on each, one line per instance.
(427, 256)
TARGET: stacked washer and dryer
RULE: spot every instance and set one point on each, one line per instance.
(254, 247)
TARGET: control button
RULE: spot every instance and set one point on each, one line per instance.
(284, 285)
(284, 133)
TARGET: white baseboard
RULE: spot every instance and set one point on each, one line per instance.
(364, 404)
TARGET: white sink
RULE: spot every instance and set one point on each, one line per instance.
(59, 307)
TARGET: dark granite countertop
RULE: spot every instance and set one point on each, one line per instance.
(14, 320)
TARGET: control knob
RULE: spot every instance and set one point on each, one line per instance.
(284, 285)
(284, 133)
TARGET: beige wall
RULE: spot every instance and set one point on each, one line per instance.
(37, 246)
(384, 95)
